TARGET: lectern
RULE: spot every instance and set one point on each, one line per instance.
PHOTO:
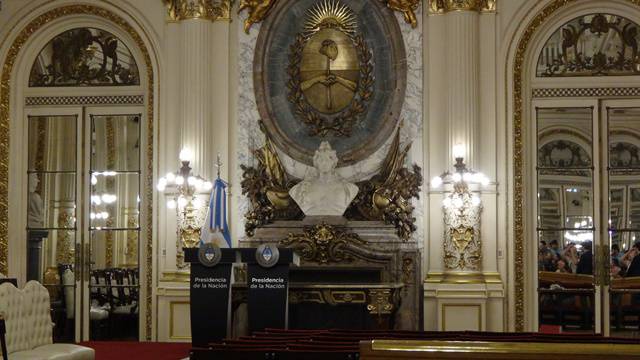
(268, 285)
(210, 289)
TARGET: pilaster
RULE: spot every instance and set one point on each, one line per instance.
(460, 300)
(198, 118)
(462, 79)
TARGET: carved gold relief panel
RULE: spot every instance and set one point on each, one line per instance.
(198, 9)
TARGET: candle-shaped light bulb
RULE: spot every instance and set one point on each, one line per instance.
(458, 151)
(186, 154)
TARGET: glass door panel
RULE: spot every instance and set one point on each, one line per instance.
(565, 221)
(51, 215)
(621, 263)
(113, 226)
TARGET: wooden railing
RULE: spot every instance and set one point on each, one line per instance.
(467, 350)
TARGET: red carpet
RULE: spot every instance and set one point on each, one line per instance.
(117, 350)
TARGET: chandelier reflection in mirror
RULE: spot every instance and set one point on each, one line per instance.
(186, 186)
(462, 208)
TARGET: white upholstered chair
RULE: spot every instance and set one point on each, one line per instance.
(27, 315)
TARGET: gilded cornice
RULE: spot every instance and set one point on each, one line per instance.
(213, 10)
(444, 6)
(258, 10)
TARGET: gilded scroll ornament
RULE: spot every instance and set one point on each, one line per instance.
(407, 8)
(198, 9)
(84, 57)
(591, 45)
(257, 11)
(330, 71)
(387, 196)
(444, 6)
(380, 302)
(324, 244)
(462, 246)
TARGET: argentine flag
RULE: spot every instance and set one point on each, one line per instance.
(215, 229)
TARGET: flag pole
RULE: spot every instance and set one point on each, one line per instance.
(218, 165)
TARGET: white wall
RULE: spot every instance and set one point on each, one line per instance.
(224, 68)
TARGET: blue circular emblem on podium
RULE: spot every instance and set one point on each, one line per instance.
(209, 255)
(267, 255)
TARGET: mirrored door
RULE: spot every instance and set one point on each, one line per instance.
(588, 216)
(113, 229)
(566, 214)
(83, 218)
(621, 265)
(52, 226)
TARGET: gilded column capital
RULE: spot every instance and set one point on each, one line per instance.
(444, 6)
(213, 10)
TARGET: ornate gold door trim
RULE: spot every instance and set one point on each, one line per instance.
(518, 73)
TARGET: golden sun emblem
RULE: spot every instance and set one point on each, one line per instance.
(329, 67)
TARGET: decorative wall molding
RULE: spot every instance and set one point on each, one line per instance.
(585, 92)
(84, 100)
(198, 9)
(437, 7)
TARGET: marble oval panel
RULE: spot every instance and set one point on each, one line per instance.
(337, 82)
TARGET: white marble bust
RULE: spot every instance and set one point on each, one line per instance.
(324, 193)
(35, 213)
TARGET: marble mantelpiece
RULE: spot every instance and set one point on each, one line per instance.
(337, 243)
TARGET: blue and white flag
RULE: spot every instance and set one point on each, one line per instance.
(215, 229)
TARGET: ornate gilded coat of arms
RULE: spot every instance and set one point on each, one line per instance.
(330, 71)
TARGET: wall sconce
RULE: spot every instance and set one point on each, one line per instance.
(462, 208)
(185, 187)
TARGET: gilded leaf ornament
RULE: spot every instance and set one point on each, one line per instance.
(198, 9)
(257, 10)
(444, 6)
(407, 8)
(324, 244)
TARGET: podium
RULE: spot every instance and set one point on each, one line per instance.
(268, 285)
(210, 290)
